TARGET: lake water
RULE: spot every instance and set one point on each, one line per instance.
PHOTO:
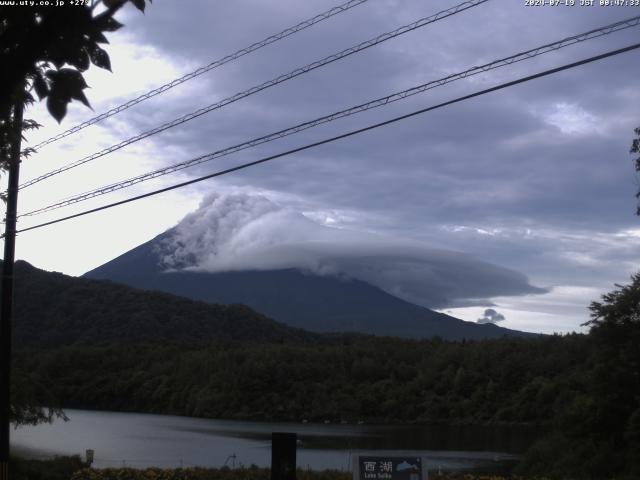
(141, 440)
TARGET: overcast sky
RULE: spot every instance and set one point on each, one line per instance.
(535, 182)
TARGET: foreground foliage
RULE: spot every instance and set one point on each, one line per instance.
(598, 434)
(59, 468)
(252, 473)
(248, 474)
(72, 468)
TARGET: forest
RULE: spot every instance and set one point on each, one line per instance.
(352, 378)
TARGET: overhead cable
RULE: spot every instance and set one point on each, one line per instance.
(595, 33)
(280, 79)
(340, 137)
(196, 73)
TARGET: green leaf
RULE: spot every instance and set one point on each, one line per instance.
(80, 96)
(29, 124)
(40, 86)
(113, 25)
(139, 4)
(99, 57)
(106, 23)
(66, 84)
(27, 152)
(57, 60)
(57, 107)
(67, 78)
(80, 60)
(52, 74)
(98, 37)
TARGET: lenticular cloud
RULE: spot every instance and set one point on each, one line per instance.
(239, 231)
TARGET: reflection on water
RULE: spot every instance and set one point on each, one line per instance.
(141, 440)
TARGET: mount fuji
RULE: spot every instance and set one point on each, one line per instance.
(241, 249)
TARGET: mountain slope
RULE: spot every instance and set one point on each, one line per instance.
(52, 310)
(311, 302)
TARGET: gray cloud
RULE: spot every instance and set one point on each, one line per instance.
(238, 231)
(491, 316)
(438, 166)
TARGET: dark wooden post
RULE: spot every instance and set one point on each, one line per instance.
(6, 299)
(283, 456)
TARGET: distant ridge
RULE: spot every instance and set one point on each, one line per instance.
(53, 310)
(296, 298)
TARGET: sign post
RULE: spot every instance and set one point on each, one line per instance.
(386, 467)
(89, 456)
(283, 456)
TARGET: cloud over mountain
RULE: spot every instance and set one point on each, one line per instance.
(239, 231)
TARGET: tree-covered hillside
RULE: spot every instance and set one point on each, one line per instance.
(52, 309)
(370, 379)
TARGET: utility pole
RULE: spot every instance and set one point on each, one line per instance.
(7, 283)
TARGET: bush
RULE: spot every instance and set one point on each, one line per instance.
(253, 473)
(59, 468)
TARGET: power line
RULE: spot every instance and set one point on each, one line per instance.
(344, 135)
(280, 79)
(215, 64)
(595, 33)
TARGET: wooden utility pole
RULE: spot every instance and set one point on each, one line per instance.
(7, 284)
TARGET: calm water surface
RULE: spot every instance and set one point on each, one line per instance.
(141, 440)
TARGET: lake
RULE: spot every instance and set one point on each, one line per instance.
(142, 440)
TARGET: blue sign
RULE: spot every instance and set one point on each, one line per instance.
(388, 468)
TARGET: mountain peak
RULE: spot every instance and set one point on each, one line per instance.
(301, 299)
